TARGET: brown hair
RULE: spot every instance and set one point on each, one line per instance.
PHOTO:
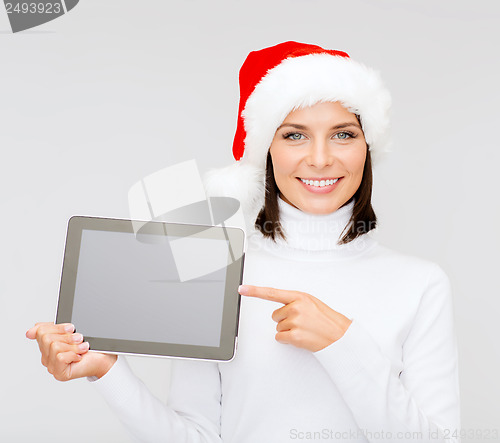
(363, 217)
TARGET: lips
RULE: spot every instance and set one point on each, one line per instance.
(327, 187)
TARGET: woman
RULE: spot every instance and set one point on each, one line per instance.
(340, 338)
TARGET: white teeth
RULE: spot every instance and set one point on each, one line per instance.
(320, 184)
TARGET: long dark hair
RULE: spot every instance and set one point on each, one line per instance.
(363, 217)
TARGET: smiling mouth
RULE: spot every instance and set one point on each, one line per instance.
(321, 182)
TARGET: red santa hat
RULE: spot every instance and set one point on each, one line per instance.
(277, 80)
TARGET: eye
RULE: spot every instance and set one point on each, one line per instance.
(345, 135)
(288, 134)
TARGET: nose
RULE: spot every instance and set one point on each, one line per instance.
(320, 154)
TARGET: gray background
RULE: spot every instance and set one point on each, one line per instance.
(117, 89)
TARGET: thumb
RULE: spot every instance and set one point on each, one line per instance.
(92, 363)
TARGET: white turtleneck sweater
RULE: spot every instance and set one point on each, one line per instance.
(392, 376)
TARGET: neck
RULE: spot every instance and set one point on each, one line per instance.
(316, 236)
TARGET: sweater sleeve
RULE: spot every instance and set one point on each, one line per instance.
(192, 412)
(422, 402)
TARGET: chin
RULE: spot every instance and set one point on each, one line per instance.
(319, 208)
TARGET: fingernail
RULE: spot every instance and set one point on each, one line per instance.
(242, 289)
(69, 328)
(77, 337)
(84, 346)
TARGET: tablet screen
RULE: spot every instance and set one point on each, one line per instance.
(129, 289)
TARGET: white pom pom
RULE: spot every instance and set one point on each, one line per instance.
(242, 181)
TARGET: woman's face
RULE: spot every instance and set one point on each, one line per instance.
(322, 144)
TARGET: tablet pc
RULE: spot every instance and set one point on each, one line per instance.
(153, 288)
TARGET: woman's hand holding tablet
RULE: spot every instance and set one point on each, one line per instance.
(65, 354)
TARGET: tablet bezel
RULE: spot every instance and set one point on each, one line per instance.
(232, 299)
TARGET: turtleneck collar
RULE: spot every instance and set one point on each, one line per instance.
(315, 236)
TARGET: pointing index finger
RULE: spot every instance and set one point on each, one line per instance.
(272, 294)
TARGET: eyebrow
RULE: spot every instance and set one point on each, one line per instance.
(339, 126)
